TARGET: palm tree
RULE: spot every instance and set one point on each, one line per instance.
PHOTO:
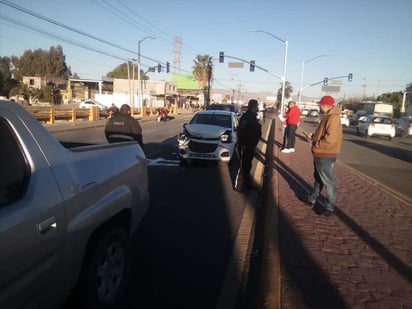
(202, 70)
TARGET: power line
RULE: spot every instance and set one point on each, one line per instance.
(45, 33)
(57, 23)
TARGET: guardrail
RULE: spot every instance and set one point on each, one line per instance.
(51, 114)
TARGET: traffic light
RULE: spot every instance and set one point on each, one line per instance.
(325, 81)
(167, 67)
(221, 57)
(350, 77)
(252, 66)
(159, 68)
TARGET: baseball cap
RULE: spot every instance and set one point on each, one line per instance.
(327, 100)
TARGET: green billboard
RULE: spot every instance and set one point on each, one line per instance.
(185, 82)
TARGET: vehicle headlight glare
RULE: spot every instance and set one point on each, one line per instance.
(225, 137)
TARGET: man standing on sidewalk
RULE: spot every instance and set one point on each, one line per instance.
(292, 119)
(326, 145)
(249, 131)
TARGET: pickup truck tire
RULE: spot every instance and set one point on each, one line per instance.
(107, 266)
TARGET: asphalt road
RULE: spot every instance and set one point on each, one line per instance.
(184, 246)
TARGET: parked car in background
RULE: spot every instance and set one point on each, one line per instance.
(304, 112)
(91, 103)
(344, 119)
(312, 113)
(234, 108)
(376, 125)
(210, 135)
(404, 126)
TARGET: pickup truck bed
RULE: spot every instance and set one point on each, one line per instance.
(66, 214)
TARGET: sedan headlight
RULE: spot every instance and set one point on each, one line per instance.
(182, 138)
(226, 137)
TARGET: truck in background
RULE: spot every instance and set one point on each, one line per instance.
(366, 108)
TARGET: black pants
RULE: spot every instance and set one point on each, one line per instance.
(290, 134)
(243, 178)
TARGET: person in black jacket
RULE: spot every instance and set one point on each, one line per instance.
(249, 132)
(121, 124)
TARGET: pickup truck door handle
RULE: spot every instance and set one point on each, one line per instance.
(47, 225)
(88, 185)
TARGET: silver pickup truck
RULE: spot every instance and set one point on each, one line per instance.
(66, 215)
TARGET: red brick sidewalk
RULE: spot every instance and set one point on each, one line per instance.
(361, 257)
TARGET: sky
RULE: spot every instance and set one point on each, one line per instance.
(372, 39)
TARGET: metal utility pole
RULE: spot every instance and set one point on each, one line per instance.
(209, 78)
(285, 60)
(139, 82)
(301, 74)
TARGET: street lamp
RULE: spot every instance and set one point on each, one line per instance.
(301, 74)
(284, 65)
(131, 102)
(139, 83)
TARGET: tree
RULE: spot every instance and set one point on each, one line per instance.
(49, 65)
(7, 82)
(202, 70)
(121, 72)
(288, 93)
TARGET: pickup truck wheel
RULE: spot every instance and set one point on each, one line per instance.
(105, 276)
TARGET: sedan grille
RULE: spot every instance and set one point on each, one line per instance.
(202, 147)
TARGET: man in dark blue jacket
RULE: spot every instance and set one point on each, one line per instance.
(249, 132)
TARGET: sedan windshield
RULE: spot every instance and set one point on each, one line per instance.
(215, 120)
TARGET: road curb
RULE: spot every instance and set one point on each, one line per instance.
(394, 193)
(237, 269)
(269, 280)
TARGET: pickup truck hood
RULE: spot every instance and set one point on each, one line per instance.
(205, 131)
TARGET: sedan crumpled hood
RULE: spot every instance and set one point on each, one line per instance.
(205, 131)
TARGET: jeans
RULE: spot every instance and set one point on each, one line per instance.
(243, 178)
(290, 134)
(324, 176)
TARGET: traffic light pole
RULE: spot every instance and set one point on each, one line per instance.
(256, 66)
(328, 79)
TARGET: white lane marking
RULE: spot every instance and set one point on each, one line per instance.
(162, 162)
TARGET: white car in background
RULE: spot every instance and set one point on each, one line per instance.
(91, 103)
(210, 135)
(376, 125)
(344, 120)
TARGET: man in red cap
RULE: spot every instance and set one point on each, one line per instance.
(326, 145)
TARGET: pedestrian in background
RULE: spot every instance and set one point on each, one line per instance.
(249, 131)
(292, 119)
(121, 124)
(284, 125)
(113, 110)
(326, 145)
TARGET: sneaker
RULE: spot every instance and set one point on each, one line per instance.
(286, 150)
(308, 201)
(291, 149)
(326, 212)
(239, 190)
